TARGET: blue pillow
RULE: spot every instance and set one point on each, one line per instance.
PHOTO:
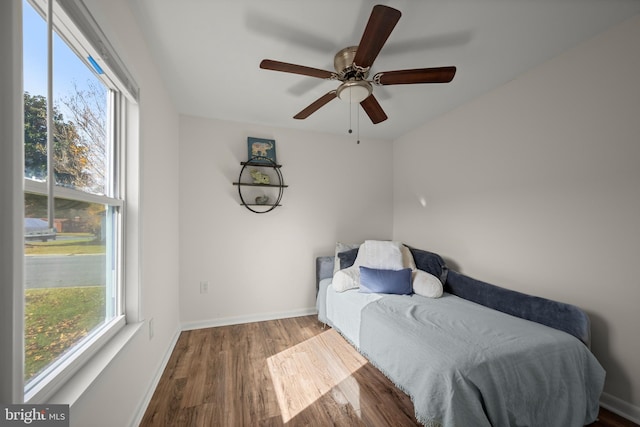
(431, 263)
(385, 281)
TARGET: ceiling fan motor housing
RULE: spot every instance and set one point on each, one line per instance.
(346, 69)
(344, 58)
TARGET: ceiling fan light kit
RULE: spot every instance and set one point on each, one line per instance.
(353, 63)
(354, 91)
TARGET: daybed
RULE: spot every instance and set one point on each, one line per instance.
(479, 355)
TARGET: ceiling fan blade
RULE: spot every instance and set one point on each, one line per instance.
(315, 105)
(381, 23)
(373, 110)
(418, 75)
(268, 64)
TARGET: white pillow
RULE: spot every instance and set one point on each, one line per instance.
(342, 247)
(380, 254)
(347, 278)
(426, 284)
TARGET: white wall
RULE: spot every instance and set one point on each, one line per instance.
(262, 265)
(535, 187)
(118, 393)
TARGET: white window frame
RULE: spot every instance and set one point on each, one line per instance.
(74, 23)
(12, 206)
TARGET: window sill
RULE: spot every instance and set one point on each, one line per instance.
(73, 389)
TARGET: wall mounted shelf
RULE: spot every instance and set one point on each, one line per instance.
(259, 163)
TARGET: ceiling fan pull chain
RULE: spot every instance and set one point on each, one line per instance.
(358, 124)
(350, 109)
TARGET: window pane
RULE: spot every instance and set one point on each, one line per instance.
(81, 132)
(67, 277)
(35, 88)
(80, 112)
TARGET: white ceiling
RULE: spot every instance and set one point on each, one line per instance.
(209, 53)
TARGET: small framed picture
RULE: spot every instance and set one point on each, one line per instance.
(260, 147)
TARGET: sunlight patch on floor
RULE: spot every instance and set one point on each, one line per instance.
(331, 360)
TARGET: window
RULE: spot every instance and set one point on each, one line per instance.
(74, 192)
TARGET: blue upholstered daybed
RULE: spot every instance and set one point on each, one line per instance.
(479, 355)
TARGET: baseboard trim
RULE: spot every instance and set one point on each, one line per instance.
(142, 408)
(620, 407)
(237, 320)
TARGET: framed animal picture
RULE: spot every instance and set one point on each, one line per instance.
(260, 147)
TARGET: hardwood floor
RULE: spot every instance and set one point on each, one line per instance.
(289, 372)
(609, 419)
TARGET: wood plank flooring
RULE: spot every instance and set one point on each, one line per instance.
(289, 372)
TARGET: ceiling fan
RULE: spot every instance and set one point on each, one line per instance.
(353, 64)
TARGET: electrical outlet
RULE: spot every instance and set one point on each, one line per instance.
(204, 287)
(151, 328)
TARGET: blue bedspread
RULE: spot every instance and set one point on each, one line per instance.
(464, 364)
